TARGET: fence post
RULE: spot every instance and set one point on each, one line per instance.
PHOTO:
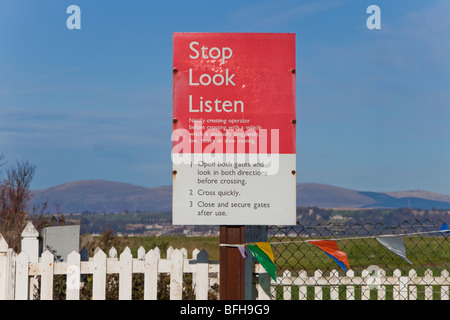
(30, 245)
(30, 242)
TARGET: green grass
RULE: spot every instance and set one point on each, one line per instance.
(424, 252)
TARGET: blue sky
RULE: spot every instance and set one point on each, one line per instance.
(373, 109)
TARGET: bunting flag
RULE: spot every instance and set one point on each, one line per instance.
(262, 252)
(330, 247)
(395, 245)
(242, 251)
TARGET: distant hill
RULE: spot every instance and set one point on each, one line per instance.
(108, 196)
(326, 196)
(104, 196)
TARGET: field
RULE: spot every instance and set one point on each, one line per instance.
(424, 252)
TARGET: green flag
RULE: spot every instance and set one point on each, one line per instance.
(262, 251)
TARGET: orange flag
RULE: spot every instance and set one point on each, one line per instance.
(330, 247)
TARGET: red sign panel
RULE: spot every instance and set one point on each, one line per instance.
(235, 81)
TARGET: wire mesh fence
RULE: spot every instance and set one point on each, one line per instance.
(428, 252)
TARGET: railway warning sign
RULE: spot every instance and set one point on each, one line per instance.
(233, 139)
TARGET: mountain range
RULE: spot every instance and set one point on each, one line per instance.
(109, 196)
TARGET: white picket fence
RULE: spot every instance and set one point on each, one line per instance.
(371, 279)
(19, 274)
(150, 264)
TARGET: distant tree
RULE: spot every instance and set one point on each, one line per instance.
(14, 198)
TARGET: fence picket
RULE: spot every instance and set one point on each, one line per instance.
(318, 292)
(151, 274)
(428, 279)
(202, 275)
(381, 289)
(21, 290)
(46, 267)
(195, 253)
(176, 274)
(125, 274)
(99, 276)
(334, 288)
(302, 289)
(112, 253)
(350, 289)
(141, 253)
(287, 292)
(412, 290)
(445, 289)
(73, 276)
(169, 252)
(365, 289)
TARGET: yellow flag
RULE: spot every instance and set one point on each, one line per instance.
(266, 248)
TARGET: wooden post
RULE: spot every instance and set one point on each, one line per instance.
(232, 265)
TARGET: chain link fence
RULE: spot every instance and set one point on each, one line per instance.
(428, 251)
